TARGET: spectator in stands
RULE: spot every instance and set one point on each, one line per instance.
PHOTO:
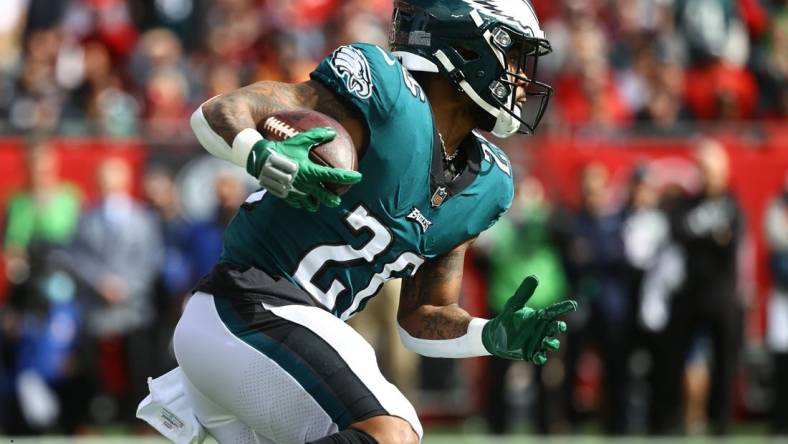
(158, 50)
(235, 27)
(776, 229)
(589, 92)
(718, 86)
(46, 212)
(41, 316)
(600, 277)
(520, 244)
(648, 54)
(658, 263)
(646, 234)
(719, 91)
(166, 104)
(709, 227)
(772, 67)
(645, 230)
(36, 101)
(205, 239)
(660, 74)
(116, 254)
(98, 103)
(106, 20)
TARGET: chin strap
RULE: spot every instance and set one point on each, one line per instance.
(505, 124)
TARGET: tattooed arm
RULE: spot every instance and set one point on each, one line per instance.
(432, 324)
(226, 126)
(231, 113)
(428, 307)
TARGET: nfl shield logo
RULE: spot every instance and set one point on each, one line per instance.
(439, 197)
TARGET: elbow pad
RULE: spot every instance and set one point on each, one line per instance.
(238, 153)
(466, 346)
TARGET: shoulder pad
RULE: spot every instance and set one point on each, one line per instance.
(369, 77)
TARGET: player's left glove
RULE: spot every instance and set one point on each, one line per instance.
(285, 170)
(520, 332)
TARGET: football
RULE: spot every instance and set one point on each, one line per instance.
(339, 153)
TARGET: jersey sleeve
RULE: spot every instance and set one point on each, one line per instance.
(366, 76)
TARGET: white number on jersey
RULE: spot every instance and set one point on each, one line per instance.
(319, 258)
(491, 156)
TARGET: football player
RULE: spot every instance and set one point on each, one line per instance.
(264, 353)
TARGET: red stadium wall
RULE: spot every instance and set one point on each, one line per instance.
(78, 161)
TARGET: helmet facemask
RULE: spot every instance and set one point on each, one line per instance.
(489, 51)
(521, 98)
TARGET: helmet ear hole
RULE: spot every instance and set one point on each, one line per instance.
(468, 55)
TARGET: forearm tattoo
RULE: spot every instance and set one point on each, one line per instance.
(428, 301)
(244, 108)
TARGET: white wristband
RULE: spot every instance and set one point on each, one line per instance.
(217, 146)
(466, 346)
(242, 145)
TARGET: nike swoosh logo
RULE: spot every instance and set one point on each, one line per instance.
(388, 59)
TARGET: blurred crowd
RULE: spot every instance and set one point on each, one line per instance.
(96, 288)
(663, 276)
(661, 271)
(120, 66)
(666, 62)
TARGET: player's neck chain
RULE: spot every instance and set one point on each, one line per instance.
(446, 157)
(450, 169)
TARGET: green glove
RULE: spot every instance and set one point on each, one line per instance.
(520, 332)
(285, 170)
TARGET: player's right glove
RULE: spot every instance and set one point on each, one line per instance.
(285, 170)
(520, 332)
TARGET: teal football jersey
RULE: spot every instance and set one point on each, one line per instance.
(400, 215)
